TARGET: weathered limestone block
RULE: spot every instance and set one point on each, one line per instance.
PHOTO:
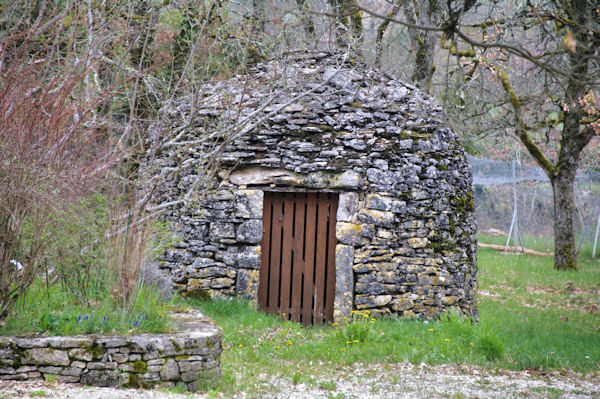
(72, 371)
(101, 378)
(51, 369)
(344, 281)
(47, 356)
(247, 283)
(248, 257)
(249, 231)
(354, 234)
(378, 202)
(85, 355)
(221, 282)
(213, 271)
(219, 230)
(348, 179)
(418, 242)
(403, 303)
(170, 370)
(347, 207)
(248, 203)
(377, 218)
(382, 300)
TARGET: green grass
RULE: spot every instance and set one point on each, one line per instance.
(545, 244)
(53, 311)
(529, 319)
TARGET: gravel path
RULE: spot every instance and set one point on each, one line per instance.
(359, 381)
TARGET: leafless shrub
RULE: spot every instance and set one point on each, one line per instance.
(50, 155)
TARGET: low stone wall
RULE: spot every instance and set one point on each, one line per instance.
(190, 356)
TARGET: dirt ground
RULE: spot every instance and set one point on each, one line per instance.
(359, 381)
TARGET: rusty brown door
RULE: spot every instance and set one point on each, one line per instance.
(297, 270)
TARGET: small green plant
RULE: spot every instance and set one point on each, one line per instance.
(177, 389)
(358, 330)
(491, 347)
(38, 393)
(296, 378)
(50, 377)
(328, 385)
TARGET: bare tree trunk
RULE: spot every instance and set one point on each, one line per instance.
(565, 254)
(381, 29)
(348, 23)
(427, 13)
(307, 22)
(424, 67)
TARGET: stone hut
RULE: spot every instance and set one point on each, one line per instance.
(334, 187)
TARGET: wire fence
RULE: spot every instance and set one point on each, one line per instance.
(515, 201)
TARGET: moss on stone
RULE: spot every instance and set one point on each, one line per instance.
(140, 367)
(176, 345)
(96, 351)
(134, 382)
(437, 247)
(355, 105)
(202, 295)
(452, 225)
(465, 203)
(324, 128)
(411, 134)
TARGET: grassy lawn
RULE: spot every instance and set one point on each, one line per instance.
(530, 318)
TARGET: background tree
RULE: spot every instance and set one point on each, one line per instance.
(539, 63)
(423, 42)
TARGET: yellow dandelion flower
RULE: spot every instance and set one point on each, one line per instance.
(276, 347)
(367, 311)
(345, 318)
(342, 349)
(447, 339)
(356, 341)
(348, 342)
(431, 329)
(240, 346)
(371, 322)
(470, 343)
(288, 343)
(335, 324)
(372, 319)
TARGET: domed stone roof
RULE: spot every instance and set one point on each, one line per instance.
(323, 122)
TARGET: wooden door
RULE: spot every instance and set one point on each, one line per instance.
(297, 271)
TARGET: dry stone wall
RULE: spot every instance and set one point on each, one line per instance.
(405, 224)
(190, 357)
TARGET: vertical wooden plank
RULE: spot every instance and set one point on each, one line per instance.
(309, 258)
(330, 270)
(286, 254)
(275, 262)
(298, 252)
(320, 258)
(265, 250)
